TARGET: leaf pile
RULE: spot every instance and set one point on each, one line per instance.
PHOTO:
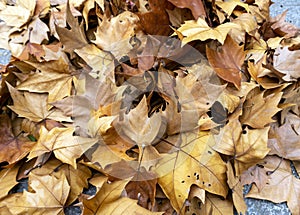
(164, 106)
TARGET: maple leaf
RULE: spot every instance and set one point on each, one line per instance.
(100, 61)
(108, 200)
(284, 139)
(55, 192)
(140, 128)
(8, 15)
(191, 162)
(257, 106)
(234, 183)
(287, 62)
(230, 5)
(58, 85)
(256, 175)
(12, 148)
(283, 28)
(199, 30)
(62, 143)
(8, 180)
(33, 106)
(66, 36)
(227, 61)
(247, 146)
(56, 168)
(215, 205)
(282, 185)
(114, 35)
(196, 6)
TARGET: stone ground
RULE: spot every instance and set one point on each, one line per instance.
(255, 206)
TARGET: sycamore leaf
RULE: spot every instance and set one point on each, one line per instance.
(8, 178)
(236, 187)
(114, 35)
(191, 162)
(216, 205)
(259, 109)
(8, 15)
(248, 146)
(283, 28)
(55, 193)
(255, 175)
(56, 168)
(100, 61)
(62, 143)
(140, 128)
(284, 140)
(228, 61)
(33, 106)
(287, 62)
(69, 41)
(195, 6)
(282, 185)
(58, 85)
(199, 30)
(12, 148)
(108, 201)
(230, 5)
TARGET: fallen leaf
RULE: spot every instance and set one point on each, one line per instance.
(33, 106)
(199, 30)
(8, 179)
(196, 6)
(283, 186)
(55, 193)
(227, 61)
(62, 143)
(191, 161)
(12, 148)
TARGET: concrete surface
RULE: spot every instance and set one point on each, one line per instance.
(255, 207)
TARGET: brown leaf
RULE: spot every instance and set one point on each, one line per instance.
(66, 36)
(248, 146)
(282, 28)
(259, 108)
(8, 178)
(282, 186)
(62, 143)
(12, 148)
(196, 6)
(227, 61)
(234, 183)
(55, 193)
(191, 161)
(216, 205)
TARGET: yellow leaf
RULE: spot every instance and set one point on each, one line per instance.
(258, 109)
(49, 197)
(191, 161)
(247, 146)
(229, 5)
(33, 106)
(15, 16)
(62, 143)
(199, 30)
(8, 178)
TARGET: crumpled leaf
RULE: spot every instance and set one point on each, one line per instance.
(62, 143)
(230, 5)
(215, 205)
(191, 161)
